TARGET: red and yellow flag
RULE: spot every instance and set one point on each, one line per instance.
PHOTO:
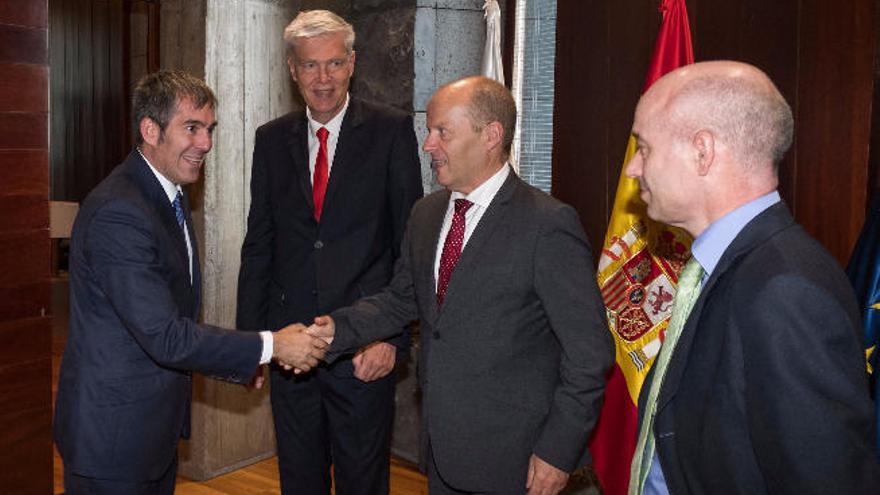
(638, 273)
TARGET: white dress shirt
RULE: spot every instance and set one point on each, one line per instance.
(333, 127)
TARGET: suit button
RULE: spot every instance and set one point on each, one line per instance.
(436, 335)
(319, 244)
(314, 292)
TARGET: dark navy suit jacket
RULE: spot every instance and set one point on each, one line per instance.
(125, 389)
(766, 392)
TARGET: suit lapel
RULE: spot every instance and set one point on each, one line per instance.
(755, 233)
(426, 240)
(156, 196)
(468, 262)
(350, 146)
(298, 147)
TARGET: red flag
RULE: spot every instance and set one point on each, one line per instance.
(638, 273)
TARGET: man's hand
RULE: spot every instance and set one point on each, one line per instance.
(323, 327)
(258, 380)
(374, 361)
(295, 348)
(544, 479)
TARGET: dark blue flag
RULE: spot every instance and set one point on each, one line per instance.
(864, 272)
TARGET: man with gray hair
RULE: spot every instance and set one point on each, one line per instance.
(331, 191)
(760, 385)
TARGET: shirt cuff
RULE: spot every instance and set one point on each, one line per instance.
(268, 347)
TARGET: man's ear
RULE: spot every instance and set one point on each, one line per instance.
(291, 65)
(493, 134)
(150, 131)
(704, 146)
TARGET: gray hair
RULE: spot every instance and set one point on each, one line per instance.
(312, 23)
(748, 115)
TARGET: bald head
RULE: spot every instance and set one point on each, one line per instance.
(734, 101)
(487, 101)
(709, 137)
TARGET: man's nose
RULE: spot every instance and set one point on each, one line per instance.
(204, 141)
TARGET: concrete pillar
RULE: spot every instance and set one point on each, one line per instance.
(449, 39)
(236, 45)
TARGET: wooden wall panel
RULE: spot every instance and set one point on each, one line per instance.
(23, 13)
(22, 88)
(819, 54)
(23, 171)
(25, 347)
(22, 44)
(602, 52)
(835, 84)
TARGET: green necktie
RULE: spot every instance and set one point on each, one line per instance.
(685, 297)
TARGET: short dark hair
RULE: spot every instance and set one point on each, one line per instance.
(157, 95)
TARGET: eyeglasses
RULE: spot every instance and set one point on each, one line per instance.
(330, 67)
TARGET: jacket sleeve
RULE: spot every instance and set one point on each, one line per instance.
(379, 316)
(256, 250)
(566, 285)
(124, 258)
(404, 189)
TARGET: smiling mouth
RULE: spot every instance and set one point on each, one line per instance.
(438, 163)
(195, 161)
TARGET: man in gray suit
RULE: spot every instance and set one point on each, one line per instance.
(514, 346)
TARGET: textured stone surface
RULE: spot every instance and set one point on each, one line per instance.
(460, 35)
(384, 47)
(461, 4)
(424, 56)
(243, 61)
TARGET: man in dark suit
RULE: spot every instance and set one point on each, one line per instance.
(331, 190)
(514, 344)
(760, 386)
(124, 391)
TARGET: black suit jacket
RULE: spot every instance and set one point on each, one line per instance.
(124, 390)
(294, 268)
(766, 391)
(514, 361)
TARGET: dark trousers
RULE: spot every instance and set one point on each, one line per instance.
(75, 484)
(330, 417)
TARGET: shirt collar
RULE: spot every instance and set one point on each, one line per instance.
(485, 192)
(333, 125)
(711, 244)
(171, 189)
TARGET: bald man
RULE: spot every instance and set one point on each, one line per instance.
(762, 389)
(514, 344)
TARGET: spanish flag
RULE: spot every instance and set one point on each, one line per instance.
(638, 273)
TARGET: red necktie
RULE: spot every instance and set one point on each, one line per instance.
(451, 248)
(319, 183)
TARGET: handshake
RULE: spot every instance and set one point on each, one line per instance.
(299, 348)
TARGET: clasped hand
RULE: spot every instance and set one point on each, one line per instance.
(299, 348)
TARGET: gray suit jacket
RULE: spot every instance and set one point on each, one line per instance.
(514, 361)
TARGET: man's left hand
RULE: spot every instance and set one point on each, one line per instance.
(543, 478)
(374, 361)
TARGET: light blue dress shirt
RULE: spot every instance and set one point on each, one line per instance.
(707, 250)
